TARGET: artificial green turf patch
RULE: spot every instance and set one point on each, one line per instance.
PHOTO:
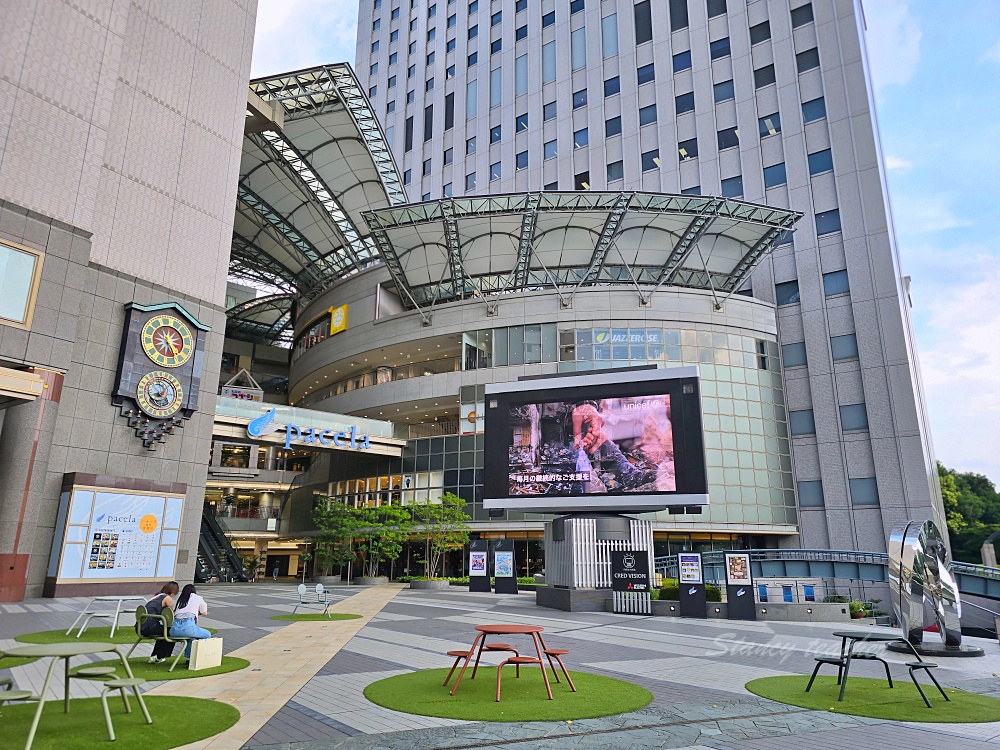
(176, 721)
(874, 698)
(521, 699)
(124, 634)
(153, 672)
(317, 617)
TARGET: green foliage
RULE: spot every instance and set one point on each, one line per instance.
(972, 510)
(857, 606)
(670, 591)
(444, 526)
(337, 523)
(381, 533)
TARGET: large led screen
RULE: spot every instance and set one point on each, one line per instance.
(614, 441)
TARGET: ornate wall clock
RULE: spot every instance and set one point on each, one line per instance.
(159, 369)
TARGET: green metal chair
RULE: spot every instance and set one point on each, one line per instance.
(166, 619)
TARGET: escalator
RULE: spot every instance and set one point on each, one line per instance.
(216, 556)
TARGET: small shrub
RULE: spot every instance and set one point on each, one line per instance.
(713, 593)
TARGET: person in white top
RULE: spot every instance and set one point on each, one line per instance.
(186, 611)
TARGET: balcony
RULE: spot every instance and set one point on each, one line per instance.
(236, 519)
(383, 375)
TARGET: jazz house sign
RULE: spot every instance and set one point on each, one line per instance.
(265, 425)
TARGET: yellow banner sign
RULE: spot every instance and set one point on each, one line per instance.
(338, 319)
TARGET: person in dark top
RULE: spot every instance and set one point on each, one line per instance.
(162, 649)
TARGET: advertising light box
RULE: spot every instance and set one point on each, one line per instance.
(611, 442)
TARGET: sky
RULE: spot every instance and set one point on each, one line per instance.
(937, 84)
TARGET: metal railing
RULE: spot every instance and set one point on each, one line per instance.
(433, 429)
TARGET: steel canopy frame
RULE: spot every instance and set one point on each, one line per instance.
(755, 228)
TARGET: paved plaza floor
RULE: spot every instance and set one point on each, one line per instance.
(303, 690)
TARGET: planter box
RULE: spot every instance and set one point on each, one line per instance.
(327, 580)
(365, 581)
(432, 585)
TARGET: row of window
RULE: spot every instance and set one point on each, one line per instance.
(834, 283)
(852, 417)
(842, 347)
(864, 491)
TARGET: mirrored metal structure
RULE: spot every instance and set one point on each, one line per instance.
(920, 578)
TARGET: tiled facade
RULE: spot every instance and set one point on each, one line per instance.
(120, 133)
(497, 96)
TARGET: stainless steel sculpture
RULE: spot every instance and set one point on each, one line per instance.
(920, 576)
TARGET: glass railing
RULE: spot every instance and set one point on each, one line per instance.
(380, 376)
(433, 429)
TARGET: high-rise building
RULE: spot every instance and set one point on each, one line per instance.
(767, 101)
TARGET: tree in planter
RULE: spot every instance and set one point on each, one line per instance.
(382, 531)
(253, 563)
(337, 523)
(444, 526)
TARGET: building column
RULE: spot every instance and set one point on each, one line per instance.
(25, 443)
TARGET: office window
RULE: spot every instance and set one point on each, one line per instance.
(496, 18)
(521, 161)
(763, 76)
(390, 107)
(548, 111)
(682, 61)
(828, 222)
(470, 181)
(450, 46)
(375, 46)
(769, 125)
(521, 33)
(452, 21)
(807, 60)
(813, 110)
(472, 59)
(609, 36)
(426, 168)
(520, 5)
(578, 48)
(408, 134)
(616, 171)
(581, 181)
(412, 48)
(449, 72)
(431, 34)
(393, 58)
(836, 282)
(449, 111)
(549, 150)
(802, 15)
(581, 138)
(20, 276)
(612, 86)
(724, 91)
(864, 491)
(449, 156)
(853, 417)
(678, 14)
(775, 175)
(684, 103)
(411, 71)
(471, 99)
(844, 347)
(495, 46)
(376, 24)
(413, 24)
(551, 185)
(377, 4)
(407, 177)
(651, 160)
(372, 92)
(794, 355)
(494, 171)
(801, 422)
(716, 8)
(410, 96)
(695, 190)
(786, 293)
(732, 187)
(495, 132)
(474, 31)
(496, 87)
(575, 6)
(579, 98)
(429, 84)
(391, 83)
(431, 56)
(548, 62)
(821, 161)
(688, 149)
(647, 115)
(470, 146)
(548, 19)
(521, 123)
(719, 48)
(428, 122)
(612, 127)
(394, 36)
(643, 23)
(760, 33)
(645, 74)
(811, 494)
(473, 7)
(432, 11)
(373, 68)
(728, 138)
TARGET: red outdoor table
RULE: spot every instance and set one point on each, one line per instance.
(485, 630)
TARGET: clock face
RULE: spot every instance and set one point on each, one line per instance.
(167, 341)
(159, 394)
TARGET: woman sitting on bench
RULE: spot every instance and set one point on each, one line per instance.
(189, 607)
(162, 650)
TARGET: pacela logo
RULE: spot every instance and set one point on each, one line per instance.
(693, 590)
(263, 425)
(741, 592)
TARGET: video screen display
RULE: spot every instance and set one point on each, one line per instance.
(596, 442)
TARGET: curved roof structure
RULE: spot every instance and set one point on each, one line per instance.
(305, 179)
(491, 245)
(266, 320)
